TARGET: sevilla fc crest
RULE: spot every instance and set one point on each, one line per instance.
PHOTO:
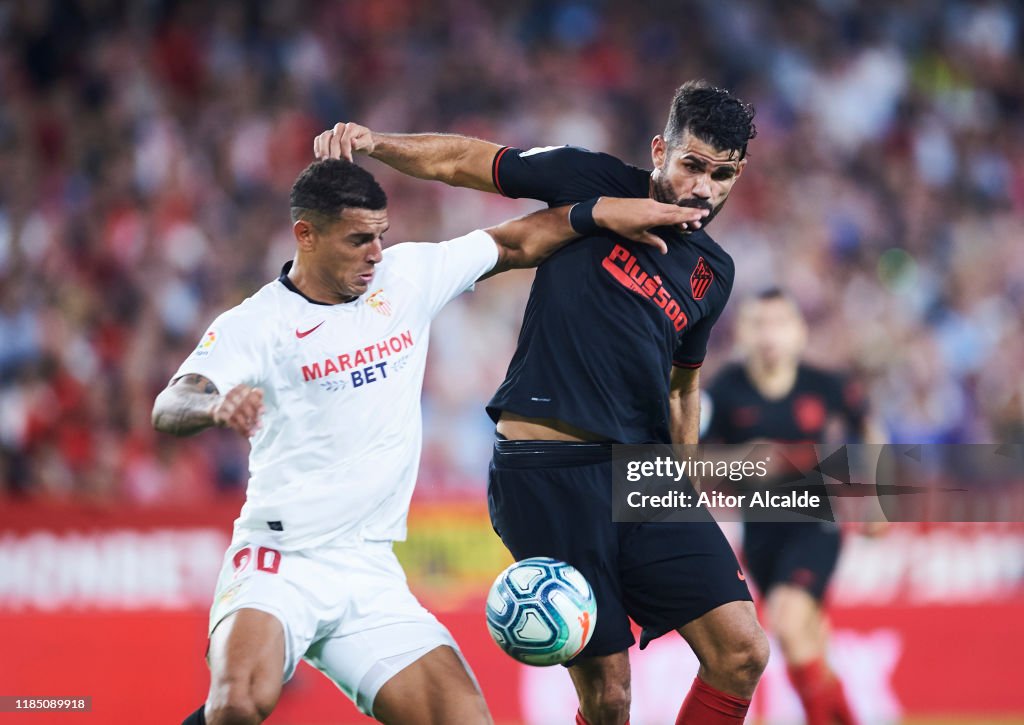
(379, 303)
(701, 279)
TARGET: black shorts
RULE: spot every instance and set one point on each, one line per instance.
(799, 554)
(553, 498)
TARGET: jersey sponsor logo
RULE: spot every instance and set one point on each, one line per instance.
(302, 333)
(624, 269)
(701, 279)
(205, 346)
(364, 365)
(379, 303)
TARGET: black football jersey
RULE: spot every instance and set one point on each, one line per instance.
(607, 318)
(818, 400)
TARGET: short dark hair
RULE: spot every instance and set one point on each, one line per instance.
(713, 115)
(776, 294)
(770, 294)
(326, 188)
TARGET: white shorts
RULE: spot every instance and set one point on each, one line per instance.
(347, 611)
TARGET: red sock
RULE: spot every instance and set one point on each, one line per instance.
(580, 720)
(840, 705)
(705, 705)
(821, 693)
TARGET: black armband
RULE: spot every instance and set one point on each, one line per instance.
(581, 217)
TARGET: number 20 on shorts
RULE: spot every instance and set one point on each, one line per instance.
(267, 559)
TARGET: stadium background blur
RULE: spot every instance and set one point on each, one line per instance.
(146, 152)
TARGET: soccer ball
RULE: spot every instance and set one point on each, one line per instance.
(541, 611)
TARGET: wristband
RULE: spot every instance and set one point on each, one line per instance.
(581, 218)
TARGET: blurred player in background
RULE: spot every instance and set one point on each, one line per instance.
(610, 350)
(323, 369)
(771, 395)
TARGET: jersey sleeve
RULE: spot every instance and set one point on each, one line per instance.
(558, 175)
(693, 346)
(228, 353)
(444, 271)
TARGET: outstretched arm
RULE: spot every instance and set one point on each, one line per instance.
(191, 403)
(529, 240)
(455, 160)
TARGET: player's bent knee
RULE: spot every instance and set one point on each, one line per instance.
(615, 700)
(739, 666)
(240, 702)
(239, 711)
(749, 658)
(609, 702)
(602, 684)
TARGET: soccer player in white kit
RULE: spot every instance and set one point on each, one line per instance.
(322, 370)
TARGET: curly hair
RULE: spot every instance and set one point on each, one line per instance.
(326, 188)
(713, 115)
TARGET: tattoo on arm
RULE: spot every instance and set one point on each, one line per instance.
(185, 406)
(197, 381)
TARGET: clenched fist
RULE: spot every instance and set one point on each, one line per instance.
(342, 141)
(240, 409)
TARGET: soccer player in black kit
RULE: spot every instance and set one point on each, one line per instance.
(610, 349)
(771, 395)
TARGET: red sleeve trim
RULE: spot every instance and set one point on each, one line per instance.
(494, 169)
(691, 366)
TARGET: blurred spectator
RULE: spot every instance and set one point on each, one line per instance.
(147, 150)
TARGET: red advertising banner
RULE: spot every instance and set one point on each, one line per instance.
(111, 604)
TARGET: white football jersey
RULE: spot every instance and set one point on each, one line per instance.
(338, 451)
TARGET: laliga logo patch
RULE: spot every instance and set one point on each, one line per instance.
(206, 344)
(229, 594)
(379, 303)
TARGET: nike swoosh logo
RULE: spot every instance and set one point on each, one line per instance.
(301, 335)
(739, 575)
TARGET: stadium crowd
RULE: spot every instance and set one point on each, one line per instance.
(147, 150)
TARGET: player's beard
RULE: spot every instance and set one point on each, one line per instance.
(663, 193)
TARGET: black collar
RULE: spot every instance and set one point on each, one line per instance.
(287, 282)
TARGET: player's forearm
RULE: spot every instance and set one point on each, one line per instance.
(455, 160)
(529, 240)
(182, 411)
(684, 417)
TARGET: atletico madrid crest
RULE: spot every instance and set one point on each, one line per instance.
(701, 279)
